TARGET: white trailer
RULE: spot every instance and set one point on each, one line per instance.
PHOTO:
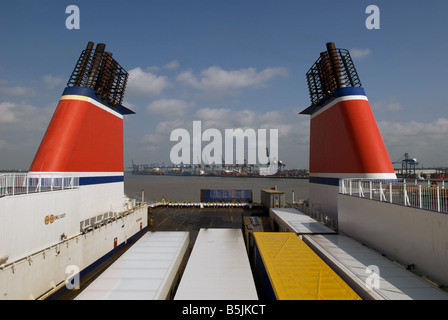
(370, 274)
(149, 270)
(292, 220)
(218, 268)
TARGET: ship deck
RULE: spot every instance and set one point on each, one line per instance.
(190, 219)
(193, 219)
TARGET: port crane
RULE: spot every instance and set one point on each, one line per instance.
(408, 165)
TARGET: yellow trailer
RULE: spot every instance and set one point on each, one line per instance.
(287, 269)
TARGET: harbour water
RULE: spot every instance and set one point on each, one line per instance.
(187, 188)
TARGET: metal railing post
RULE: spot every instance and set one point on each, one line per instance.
(420, 196)
(360, 193)
(403, 201)
(390, 192)
(405, 194)
(381, 192)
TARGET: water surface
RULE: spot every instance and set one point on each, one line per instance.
(187, 188)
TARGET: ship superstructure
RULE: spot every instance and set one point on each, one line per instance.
(345, 141)
(352, 179)
(70, 210)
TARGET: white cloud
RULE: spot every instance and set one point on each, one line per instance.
(217, 79)
(22, 127)
(146, 83)
(15, 91)
(389, 105)
(52, 81)
(130, 106)
(416, 132)
(219, 118)
(293, 131)
(226, 118)
(168, 107)
(424, 140)
(160, 136)
(7, 112)
(153, 68)
(357, 53)
(172, 65)
(13, 113)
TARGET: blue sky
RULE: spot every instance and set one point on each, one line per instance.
(231, 64)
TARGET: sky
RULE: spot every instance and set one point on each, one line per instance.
(229, 64)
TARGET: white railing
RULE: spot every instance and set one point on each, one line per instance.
(22, 183)
(317, 215)
(427, 195)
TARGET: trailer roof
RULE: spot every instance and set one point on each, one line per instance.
(299, 222)
(144, 272)
(351, 259)
(218, 268)
(296, 272)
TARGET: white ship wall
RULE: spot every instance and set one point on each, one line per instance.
(324, 198)
(408, 235)
(49, 268)
(68, 207)
(101, 198)
(23, 229)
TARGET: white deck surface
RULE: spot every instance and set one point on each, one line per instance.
(395, 282)
(218, 268)
(298, 222)
(144, 272)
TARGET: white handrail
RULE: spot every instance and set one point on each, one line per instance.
(23, 183)
(428, 196)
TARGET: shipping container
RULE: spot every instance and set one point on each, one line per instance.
(149, 270)
(287, 269)
(370, 274)
(253, 224)
(292, 220)
(218, 268)
(272, 198)
(228, 196)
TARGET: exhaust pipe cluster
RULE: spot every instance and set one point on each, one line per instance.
(96, 69)
(333, 70)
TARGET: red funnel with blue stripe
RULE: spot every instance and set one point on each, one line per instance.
(345, 141)
(85, 136)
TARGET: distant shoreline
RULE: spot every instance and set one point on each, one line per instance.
(216, 176)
